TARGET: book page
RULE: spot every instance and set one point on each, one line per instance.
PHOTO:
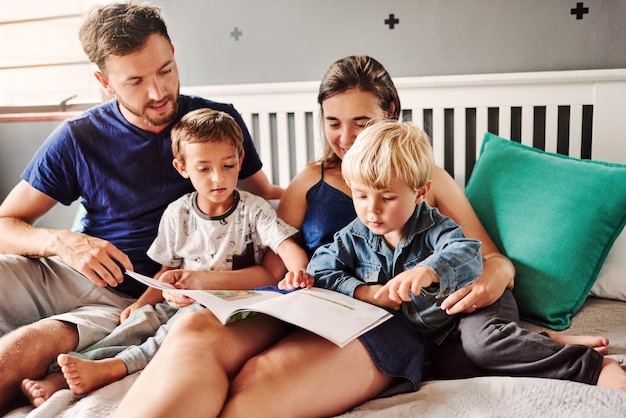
(332, 315)
(223, 303)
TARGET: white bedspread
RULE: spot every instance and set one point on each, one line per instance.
(498, 397)
(483, 397)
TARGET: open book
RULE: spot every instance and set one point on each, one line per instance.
(332, 315)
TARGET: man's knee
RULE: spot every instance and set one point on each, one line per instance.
(52, 332)
(28, 351)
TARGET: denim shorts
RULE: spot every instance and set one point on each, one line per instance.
(398, 350)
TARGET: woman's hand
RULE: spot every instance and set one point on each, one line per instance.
(498, 274)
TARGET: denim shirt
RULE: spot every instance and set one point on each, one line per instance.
(357, 256)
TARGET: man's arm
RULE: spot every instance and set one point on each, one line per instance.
(93, 257)
(259, 184)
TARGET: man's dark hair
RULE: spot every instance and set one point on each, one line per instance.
(119, 29)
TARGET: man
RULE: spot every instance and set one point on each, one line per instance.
(60, 290)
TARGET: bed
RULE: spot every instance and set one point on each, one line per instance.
(556, 139)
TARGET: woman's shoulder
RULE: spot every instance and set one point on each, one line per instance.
(293, 204)
(306, 178)
(443, 185)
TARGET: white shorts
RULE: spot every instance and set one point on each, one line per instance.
(33, 289)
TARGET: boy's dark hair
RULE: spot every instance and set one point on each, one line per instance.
(119, 29)
(205, 125)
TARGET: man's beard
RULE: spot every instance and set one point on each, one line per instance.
(142, 114)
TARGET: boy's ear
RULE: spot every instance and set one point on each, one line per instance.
(422, 192)
(180, 167)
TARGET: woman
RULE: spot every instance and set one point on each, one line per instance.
(259, 367)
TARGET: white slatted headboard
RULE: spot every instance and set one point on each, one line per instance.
(578, 113)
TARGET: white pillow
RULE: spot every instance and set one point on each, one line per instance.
(611, 282)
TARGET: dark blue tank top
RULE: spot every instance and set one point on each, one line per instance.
(328, 210)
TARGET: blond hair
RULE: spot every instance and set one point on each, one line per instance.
(205, 125)
(386, 151)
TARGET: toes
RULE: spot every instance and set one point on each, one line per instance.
(32, 387)
(63, 359)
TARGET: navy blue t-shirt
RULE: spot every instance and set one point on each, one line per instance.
(122, 174)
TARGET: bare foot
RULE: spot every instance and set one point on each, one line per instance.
(38, 391)
(83, 376)
(597, 342)
(612, 375)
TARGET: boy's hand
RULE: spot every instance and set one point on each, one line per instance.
(180, 279)
(295, 280)
(367, 293)
(151, 296)
(129, 310)
(413, 280)
(176, 299)
(183, 279)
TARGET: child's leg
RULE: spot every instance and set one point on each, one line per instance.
(496, 343)
(139, 326)
(597, 342)
(38, 391)
(83, 376)
(137, 357)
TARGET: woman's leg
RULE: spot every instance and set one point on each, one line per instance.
(190, 374)
(304, 375)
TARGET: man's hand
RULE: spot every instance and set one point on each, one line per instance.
(97, 259)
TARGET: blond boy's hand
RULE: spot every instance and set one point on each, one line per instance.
(367, 293)
(295, 280)
(413, 280)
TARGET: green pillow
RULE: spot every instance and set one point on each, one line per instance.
(554, 216)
